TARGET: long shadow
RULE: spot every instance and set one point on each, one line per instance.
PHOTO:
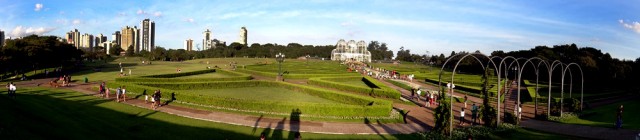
(42, 116)
(294, 122)
(278, 132)
(255, 126)
(368, 122)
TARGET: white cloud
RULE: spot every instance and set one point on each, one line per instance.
(76, 22)
(38, 6)
(190, 20)
(157, 14)
(347, 23)
(20, 31)
(140, 12)
(635, 26)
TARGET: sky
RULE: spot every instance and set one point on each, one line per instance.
(422, 26)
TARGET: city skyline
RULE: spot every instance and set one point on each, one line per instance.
(434, 26)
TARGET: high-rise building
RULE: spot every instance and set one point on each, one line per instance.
(87, 41)
(128, 38)
(136, 39)
(243, 36)
(73, 37)
(147, 35)
(188, 45)
(206, 41)
(117, 38)
(1, 38)
(100, 39)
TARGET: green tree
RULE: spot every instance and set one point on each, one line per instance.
(130, 51)
(487, 112)
(442, 114)
(115, 50)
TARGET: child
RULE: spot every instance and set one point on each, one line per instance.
(462, 117)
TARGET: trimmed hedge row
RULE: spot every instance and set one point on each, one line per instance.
(399, 84)
(293, 76)
(238, 76)
(173, 75)
(382, 91)
(353, 105)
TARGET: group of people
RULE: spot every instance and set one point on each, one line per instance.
(155, 99)
(11, 89)
(66, 79)
(474, 113)
(121, 95)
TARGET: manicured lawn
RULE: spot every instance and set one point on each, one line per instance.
(353, 82)
(109, 71)
(293, 66)
(604, 116)
(262, 93)
(40, 113)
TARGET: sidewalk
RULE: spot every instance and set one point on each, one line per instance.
(581, 130)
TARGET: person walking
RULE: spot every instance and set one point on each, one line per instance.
(12, 90)
(8, 89)
(474, 113)
(619, 117)
(102, 89)
(419, 93)
(124, 94)
(462, 116)
(118, 92)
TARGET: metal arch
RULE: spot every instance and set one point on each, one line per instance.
(536, 69)
(553, 65)
(582, 82)
(515, 61)
(452, 80)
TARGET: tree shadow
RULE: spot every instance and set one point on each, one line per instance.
(173, 98)
(88, 117)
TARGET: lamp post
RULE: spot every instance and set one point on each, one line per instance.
(450, 86)
(280, 59)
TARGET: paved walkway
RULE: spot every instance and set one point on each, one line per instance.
(581, 130)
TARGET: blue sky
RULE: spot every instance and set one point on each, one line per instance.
(421, 26)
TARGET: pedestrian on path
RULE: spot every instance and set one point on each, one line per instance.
(106, 93)
(12, 90)
(474, 113)
(413, 94)
(465, 101)
(619, 117)
(462, 116)
(124, 94)
(118, 92)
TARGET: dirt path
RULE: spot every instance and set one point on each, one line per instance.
(581, 130)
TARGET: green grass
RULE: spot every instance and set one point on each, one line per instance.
(293, 66)
(527, 134)
(261, 93)
(604, 116)
(39, 113)
(353, 82)
(109, 71)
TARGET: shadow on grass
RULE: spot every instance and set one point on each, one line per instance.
(39, 115)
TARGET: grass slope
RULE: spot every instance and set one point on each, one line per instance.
(40, 113)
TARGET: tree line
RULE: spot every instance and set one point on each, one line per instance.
(33, 52)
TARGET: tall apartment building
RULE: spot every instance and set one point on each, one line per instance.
(100, 39)
(86, 41)
(243, 36)
(73, 37)
(117, 38)
(207, 42)
(188, 45)
(129, 37)
(147, 35)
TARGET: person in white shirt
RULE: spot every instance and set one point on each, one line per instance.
(12, 90)
(462, 117)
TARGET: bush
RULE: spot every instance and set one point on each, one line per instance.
(510, 118)
(572, 104)
(173, 75)
(381, 91)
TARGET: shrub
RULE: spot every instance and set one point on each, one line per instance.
(173, 75)
(294, 76)
(156, 78)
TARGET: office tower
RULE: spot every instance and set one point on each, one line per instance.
(188, 45)
(243, 36)
(147, 35)
(206, 41)
(117, 38)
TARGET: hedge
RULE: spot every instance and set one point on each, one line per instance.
(237, 76)
(382, 91)
(293, 76)
(353, 105)
(173, 75)
(399, 84)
